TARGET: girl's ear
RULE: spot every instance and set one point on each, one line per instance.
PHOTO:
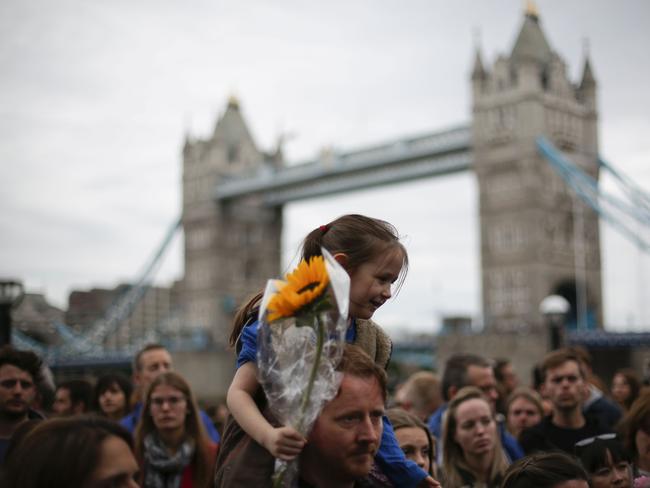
(342, 259)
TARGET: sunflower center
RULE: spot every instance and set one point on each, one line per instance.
(309, 286)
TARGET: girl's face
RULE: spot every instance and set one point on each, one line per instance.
(415, 444)
(370, 283)
(475, 428)
(168, 408)
(112, 401)
(620, 388)
(612, 475)
(522, 414)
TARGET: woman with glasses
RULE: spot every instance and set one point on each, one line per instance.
(605, 460)
(170, 441)
(472, 455)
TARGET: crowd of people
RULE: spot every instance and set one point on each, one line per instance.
(475, 425)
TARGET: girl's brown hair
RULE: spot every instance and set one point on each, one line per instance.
(453, 455)
(202, 459)
(360, 238)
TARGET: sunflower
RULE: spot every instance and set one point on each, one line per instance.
(303, 287)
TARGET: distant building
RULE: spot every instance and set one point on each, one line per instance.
(35, 317)
(155, 310)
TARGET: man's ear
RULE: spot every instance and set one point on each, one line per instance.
(342, 259)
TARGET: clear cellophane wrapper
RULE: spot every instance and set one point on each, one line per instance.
(296, 367)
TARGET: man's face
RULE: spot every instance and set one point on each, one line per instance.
(17, 391)
(62, 405)
(483, 379)
(564, 386)
(152, 363)
(510, 380)
(347, 433)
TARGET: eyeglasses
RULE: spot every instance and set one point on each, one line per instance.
(591, 440)
(9, 384)
(173, 401)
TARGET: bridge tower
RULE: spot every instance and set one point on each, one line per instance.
(231, 248)
(537, 239)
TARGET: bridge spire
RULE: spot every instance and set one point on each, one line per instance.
(531, 43)
(531, 10)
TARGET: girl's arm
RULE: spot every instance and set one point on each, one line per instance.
(282, 442)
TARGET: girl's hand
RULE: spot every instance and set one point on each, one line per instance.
(284, 443)
(429, 482)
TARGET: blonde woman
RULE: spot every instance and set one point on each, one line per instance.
(170, 441)
(472, 452)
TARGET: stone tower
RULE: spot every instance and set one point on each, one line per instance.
(537, 239)
(232, 248)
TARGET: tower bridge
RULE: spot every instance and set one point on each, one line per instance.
(539, 234)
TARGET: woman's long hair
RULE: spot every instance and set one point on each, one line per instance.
(194, 429)
(638, 417)
(453, 455)
(60, 452)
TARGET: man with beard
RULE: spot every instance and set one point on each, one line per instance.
(565, 387)
(19, 373)
(341, 447)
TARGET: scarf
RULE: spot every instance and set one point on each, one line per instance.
(163, 470)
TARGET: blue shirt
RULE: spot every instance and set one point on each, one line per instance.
(131, 421)
(390, 458)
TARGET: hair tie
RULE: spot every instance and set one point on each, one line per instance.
(324, 228)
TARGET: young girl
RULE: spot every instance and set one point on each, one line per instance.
(370, 251)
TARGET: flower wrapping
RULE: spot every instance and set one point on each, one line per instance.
(300, 340)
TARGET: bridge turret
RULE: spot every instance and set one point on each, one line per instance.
(587, 87)
(479, 75)
(230, 249)
(532, 244)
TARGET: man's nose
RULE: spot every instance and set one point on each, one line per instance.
(368, 431)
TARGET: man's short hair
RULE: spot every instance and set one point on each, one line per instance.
(456, 371)
(555, 359)
(137, 366)
(25, 360)
(422, 389)
(356, 362)
(81, 391)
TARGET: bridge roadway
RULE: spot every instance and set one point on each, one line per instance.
(436, 154)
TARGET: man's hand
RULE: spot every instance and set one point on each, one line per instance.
(429, 482)
(284, 443)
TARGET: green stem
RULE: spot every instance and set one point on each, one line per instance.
(320, 340)
(306, 396)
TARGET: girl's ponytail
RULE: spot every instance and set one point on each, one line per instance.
(243, 316)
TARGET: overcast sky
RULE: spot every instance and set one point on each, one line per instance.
(96, 97)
